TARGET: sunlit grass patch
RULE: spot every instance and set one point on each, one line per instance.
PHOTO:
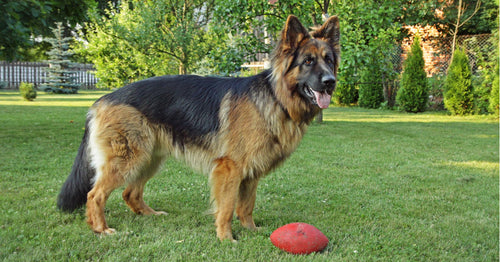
(481, 166)
(387, 116)
(82, 99)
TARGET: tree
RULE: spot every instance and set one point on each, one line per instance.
(461, 20)
(413, 93)
(367, 28)
(147, 38)
(22, 21)
(61, 77)
(260, 22)
(174, 29)
(459, 93)
(484, 21)
(371, 90)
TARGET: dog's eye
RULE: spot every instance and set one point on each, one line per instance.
(309, 61)
(329, 60)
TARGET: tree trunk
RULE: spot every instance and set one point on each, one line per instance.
(461, 10)
(455, 32)
(182, 68)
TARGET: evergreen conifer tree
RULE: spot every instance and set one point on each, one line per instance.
(459, 92)
(371, 92)
(414, 94)
(61, 72)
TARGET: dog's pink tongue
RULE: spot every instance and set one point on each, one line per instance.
(323, 99)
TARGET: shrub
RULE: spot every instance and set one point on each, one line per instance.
(27, 91)
(493, 71)
(436, 92)
(482, 90)
(346, 94)
(459, 92)
(413, 94)
(370, 95)
(371, 91)
(485, 73)
(493, 107)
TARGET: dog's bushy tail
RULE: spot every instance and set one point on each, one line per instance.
(79, 182)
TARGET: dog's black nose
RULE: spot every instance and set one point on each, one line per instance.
(328, 80)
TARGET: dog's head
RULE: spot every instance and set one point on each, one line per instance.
(308, 61)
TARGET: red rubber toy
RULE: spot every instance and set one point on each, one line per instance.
(299, 238)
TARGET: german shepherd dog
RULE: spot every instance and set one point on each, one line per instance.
(235, 130)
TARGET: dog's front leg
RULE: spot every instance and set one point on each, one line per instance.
(226, 180)
(246, 202)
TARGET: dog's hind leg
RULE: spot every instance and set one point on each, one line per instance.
(122, 146)
(246, 202)
(96, 201)
(225, 179)
(133, 194)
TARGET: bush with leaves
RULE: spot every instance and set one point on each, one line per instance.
(27, 91)
(436, 92)
(147, 38)
(491, 74)
(346, 94)
(371, 91)
(459, 92)
(494, 105)
(413, 94)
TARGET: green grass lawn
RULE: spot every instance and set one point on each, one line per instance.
(381, 185)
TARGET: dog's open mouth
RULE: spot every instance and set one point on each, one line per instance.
(322, 99)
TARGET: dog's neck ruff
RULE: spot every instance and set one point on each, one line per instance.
(273, 82)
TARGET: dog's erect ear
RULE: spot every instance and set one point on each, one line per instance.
(330, 31)
(293, 33)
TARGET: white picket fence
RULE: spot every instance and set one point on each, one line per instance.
(13, 73)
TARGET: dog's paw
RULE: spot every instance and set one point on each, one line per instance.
(108, 231)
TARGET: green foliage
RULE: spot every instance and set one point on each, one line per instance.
(226, 58)
(148, 38)
(485, 59)
(459, 92)
(346, 94)
(436, 92)
(363, 64)
(27, 91)
(492, 73)
(483, 22)
(482, 93)
(22, 21)
(252, 17)
(61, 76)
(371, 91)
(413, 93)
(493, 106)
